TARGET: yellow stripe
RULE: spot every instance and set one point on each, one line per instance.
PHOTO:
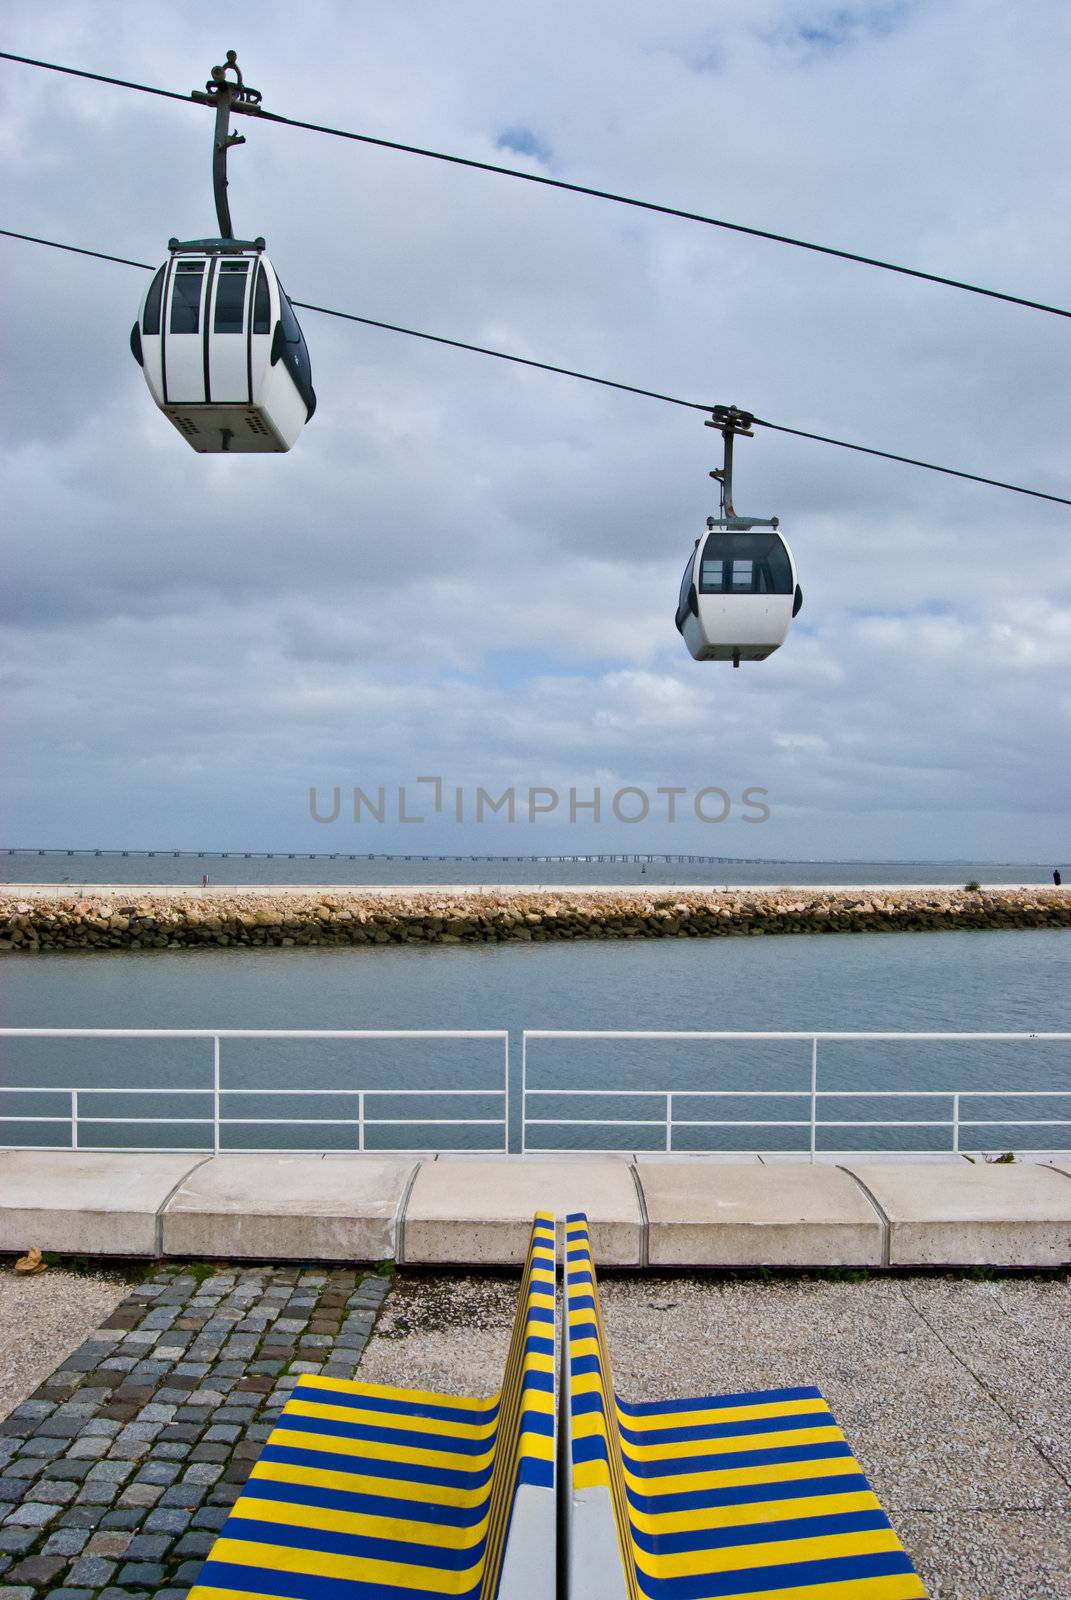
(729, 1446)
(783, 1552)
(373, 1450)
(428, 1494)
(591, 1475)
(755, 1511)
(734, 1477)
(355, 1569)
(206, 1592)
(384, 1391)
(300, 1407)
(702, 1418)
(359, 1524)
(900, 1586)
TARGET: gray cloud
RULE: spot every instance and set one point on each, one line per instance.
(469, 568)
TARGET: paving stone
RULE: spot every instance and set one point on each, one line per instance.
(100, 1493)
(31, 1514)
(100, 1427)
(152, 1425)
(37, 1570)
(57, 1491)
(195, 1543)
(140, 1494)
(149, 1573)
(87, 1447)
(16, 1541)
(111, 1471)
(211, 1517)
(108, 1542)
(38, 1446)
(183, 1494)
(127, 1518)
(149, 1546)
(92, 1571)
(66, 1542)
(210, 1452)
(168, 1519)
(80, 1517)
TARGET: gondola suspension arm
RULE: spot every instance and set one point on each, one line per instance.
(730, 421)
(227, 95)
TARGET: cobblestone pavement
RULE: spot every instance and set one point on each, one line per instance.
(117, 1473)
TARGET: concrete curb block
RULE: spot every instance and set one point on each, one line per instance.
(473, 1210)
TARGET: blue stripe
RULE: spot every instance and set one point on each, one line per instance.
(584, 1364)
(758, 1397)
(803, 1575)
(729, 1430)
(295, 1586)
(761, 1532)
(363, 1432)
(369, 1505)
(585, 1404)
(402, 1471)
(733, 1459)
(539, 1473)
(357, 1545)
(356, 1400)
(748, 1493)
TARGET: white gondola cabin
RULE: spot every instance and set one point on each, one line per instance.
(221, 349)
(738, 594)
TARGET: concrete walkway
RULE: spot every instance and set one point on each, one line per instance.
(953, 1393)
(644, 1211)
(118, 1471)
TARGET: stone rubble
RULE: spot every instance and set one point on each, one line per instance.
(221, 919)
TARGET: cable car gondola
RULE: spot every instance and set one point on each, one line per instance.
(218, 342)
(221, 349)
(739, 592)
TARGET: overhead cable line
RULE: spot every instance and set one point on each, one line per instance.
(571, 188)
(572, 372)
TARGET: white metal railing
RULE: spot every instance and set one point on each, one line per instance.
(77, 1119)
(812, 1094)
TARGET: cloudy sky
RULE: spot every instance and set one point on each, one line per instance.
(468, 569)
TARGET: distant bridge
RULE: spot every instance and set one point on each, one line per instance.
(631, 857)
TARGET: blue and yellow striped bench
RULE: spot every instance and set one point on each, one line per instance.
(364, 1492)
(755, 1496)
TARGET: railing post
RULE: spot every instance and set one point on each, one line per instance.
(524, 1090)
(215, 1094)
(74, 1119)
(814, 1095)
(360, 1119)
(505, 1092)
(955, 1124)
(669, 1120)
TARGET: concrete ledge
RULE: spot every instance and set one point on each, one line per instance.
(1017, 1215)
(776, 1216)
(478, 1209)
(84, 1202)
(292, 1207)
(481, 1211)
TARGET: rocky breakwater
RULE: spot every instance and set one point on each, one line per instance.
(41, 920)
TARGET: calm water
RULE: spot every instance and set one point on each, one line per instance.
(987, 981)
(78, 867)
